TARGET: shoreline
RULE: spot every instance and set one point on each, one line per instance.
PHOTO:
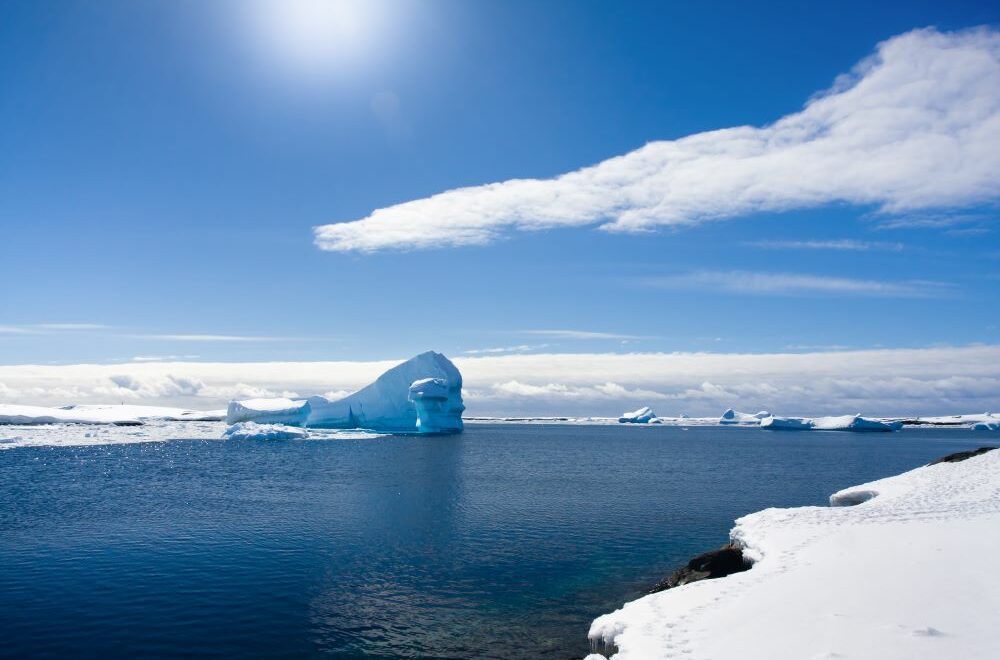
(877, 574)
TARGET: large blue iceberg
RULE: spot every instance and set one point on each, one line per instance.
(421, 395)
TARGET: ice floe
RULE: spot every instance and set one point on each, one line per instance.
(255, 431)
(896, 569)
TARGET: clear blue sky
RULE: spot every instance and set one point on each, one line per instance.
(160, 177)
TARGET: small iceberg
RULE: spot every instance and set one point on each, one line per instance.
(254, 431)
(986, 426)
(733, 417)
(786, 423)
(853, 423)
(644, 415)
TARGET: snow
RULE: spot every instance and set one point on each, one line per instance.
(905, 573)
(154, 412)
(644, 415)
(254, 431)
(956, 420)
(733, 417)
(421, 395)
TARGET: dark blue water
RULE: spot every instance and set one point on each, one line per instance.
(502, 542)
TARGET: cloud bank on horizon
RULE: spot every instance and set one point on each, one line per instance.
(878, 382)
(912, 128)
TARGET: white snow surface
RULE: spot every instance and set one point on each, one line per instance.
(422, 394)
(254, 431)
(905, 574)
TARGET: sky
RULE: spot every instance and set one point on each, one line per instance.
(532, 188)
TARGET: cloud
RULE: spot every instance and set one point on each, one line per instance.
(754, 283)
(913, 127)
(839, 244)
(877, 381)
(521, 348)
(579, 334)
(72, 326)
(211, 338)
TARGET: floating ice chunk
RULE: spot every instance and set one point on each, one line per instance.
(786, 423)
(255, 431)
(733, 417)
(643, 415)
(853, 423)
(268, 411)
(986, 426)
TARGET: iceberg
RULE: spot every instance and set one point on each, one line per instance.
(786, 423)
(255, 431)
(853, 423)
(733, 417)
(986, 426)
(644, 415)
(420, 395)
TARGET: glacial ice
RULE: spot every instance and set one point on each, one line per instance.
(644, 415)
(420, 395)
(986, 426)
(255, 431)
(786, 423)
(855, 423)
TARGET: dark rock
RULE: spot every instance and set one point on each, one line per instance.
(715, 564)
(961, 455)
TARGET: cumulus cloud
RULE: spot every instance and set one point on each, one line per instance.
(886, 381)
(915, 126)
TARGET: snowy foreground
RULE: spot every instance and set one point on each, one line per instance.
(907, 573)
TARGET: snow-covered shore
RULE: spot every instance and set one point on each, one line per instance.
(906, 573)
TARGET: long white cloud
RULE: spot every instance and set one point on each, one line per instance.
(754, 283)
(889, 381)
(914, 126)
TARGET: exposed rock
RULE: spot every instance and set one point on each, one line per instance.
(961, 455)
(715, 564)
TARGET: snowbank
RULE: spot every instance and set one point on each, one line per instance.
(906, 573)
(421, 395)
(254, 431)
(643, 415)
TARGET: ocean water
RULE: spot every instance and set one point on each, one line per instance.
(502, 542)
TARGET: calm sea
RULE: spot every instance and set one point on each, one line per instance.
(503, 542)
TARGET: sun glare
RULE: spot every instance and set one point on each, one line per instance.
(313, 38)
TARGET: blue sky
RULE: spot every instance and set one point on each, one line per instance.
(163, 164)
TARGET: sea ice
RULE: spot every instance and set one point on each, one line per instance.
(255, 431)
